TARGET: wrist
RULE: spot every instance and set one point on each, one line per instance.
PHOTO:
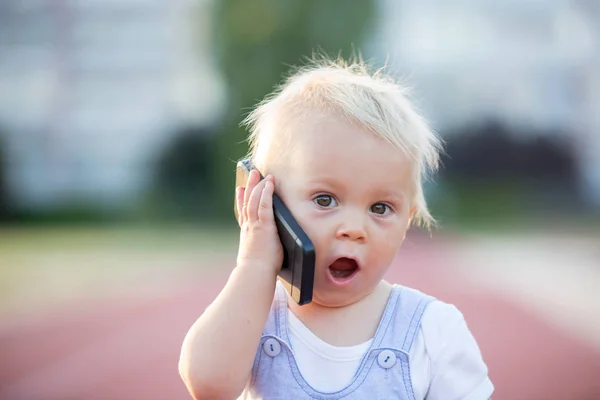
(257, 266)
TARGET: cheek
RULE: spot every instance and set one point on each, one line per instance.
(388, 238)
(310, 222)
(319, 232)
(315, 227)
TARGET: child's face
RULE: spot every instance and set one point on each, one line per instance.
(350, 191)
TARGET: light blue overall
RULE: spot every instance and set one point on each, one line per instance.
(384, 372)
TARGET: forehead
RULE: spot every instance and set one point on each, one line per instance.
(330, 148)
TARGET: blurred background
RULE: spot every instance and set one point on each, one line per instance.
(119, 131)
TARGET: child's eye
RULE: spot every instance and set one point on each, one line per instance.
(380, 208)
(325, 200)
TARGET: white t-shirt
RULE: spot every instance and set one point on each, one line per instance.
(445, 361)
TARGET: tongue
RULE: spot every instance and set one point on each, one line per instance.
(341, 274)
(342, 268)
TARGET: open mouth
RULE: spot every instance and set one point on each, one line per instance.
(343, 269)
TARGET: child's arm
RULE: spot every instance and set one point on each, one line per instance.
(218, 351)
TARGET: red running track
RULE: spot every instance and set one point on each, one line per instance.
(129, 349)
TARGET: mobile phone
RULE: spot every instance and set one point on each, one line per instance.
(298, 269)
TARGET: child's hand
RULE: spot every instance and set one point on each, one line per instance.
(259, 243)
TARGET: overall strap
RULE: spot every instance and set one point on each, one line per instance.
(407, 313)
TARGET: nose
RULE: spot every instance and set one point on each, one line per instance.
(353, 228)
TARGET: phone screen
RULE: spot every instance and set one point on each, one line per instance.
(298, 269)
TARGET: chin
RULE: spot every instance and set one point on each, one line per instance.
(338, 298)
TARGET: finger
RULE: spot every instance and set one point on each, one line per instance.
(254, 201)
(253, 179)
(239, 204)
(265, 208)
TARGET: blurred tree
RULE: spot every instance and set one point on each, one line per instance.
(256, 43)
(493, 151)
(4, 206)
(183, 185)
(498, 173)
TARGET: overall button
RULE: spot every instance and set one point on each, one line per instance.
(272, 347)
(386, 359)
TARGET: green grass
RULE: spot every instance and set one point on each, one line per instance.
(500, 207)
(43, 264)
(119, 238)
(39, 264)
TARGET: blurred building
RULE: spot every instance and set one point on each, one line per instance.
(90, 90)
(529, 64)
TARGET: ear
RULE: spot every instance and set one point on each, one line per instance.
(411, 214)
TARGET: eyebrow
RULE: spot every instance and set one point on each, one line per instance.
(324, 181)
(398, 199)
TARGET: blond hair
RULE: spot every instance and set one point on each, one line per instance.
(369, 98)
